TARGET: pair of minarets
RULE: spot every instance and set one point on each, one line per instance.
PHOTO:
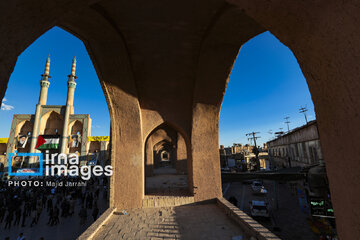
(44, 84)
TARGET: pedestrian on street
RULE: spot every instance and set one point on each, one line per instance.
(9, 219)
(38, 212)
(51, 215)
(24, 215)
(2, 214)
(56, 216)
(33, 217)
(17, 216)
(83, 215)
(72, 206)
(49, 204)
(95, 213)
(44, 200)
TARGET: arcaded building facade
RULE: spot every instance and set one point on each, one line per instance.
(300, 147)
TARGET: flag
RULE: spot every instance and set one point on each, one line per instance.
(48, 142)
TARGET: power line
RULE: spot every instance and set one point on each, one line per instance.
(279, 133)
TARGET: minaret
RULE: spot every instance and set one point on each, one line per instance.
(71, 87)
(69, 105)
(44, 84)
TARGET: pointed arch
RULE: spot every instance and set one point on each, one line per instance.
(51, 123)
(165, 153)
(75, 127)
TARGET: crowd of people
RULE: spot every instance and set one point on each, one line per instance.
(22, 206)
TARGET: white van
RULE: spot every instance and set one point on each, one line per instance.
(259, 209)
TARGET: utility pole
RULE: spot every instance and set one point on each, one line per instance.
(304, 110)
(287, 122)
(252, 136)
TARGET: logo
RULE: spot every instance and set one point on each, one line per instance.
(57, 165)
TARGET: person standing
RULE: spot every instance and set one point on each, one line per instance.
(56, 215)
(95, 212)
(83, 215)
(24, 215)
(51, 216)
(72, 206)
(2, 213)
(44, 200)
(38, 211)
(17, 216)
(9, 219)
(49, 204)
(33, 216)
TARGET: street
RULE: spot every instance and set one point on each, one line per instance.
(286, 218)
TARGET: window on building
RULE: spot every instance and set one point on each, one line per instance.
(296, 150)
(304, 151)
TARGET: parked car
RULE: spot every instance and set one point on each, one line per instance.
(259, 209)
(258, 187)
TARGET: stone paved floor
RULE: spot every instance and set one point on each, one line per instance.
(166, 184)
(184, 222)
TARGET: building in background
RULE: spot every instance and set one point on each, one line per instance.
(242, 155)
(299, 147)
(53, 129)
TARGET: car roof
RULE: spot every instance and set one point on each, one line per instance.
(258, 203)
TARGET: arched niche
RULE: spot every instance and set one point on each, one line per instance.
(51, 123)
(75, 136)
(94, 147)
(75, 127)
(25, 128)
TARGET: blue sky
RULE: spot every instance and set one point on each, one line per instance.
(265, 86)
(24, 85)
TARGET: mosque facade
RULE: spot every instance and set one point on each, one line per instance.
(53, 129)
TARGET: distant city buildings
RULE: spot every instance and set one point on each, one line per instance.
(241, 156)
(299, 147)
